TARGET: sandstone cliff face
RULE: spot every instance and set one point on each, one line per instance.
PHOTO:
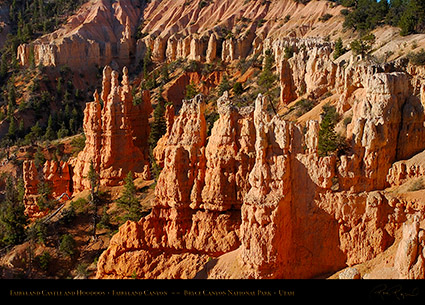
(99, 33)
(116, 136)
(278, 206)
(410, 258)
(375, 126)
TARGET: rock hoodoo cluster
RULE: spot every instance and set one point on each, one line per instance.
(57, 176)
(258, 192)
(116, 142)
(116, 135)
(197, 212)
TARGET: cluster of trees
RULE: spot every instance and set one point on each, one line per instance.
(365, 15)
(28, 20)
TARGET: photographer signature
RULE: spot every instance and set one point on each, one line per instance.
(396, 291)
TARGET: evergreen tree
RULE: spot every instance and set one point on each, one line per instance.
(339, 48)
(191, 91)
(129, 201)
(93, 177)
(238, 88)
(68, 245)
(3, 66)
(147, 62)
(329, 140)
(224, 85)
(159, 126)
(63, 131)
(267, 79)
(50, 133)
(12, 129)
(363, 46)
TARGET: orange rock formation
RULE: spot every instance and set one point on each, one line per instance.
(198, 196)
(116, 135)
(270, 169)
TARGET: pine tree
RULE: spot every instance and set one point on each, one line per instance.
(329, 140)
(159, 125)
(191, 91)
(339, 48)
(267, 79)
(224, 85)
(68, 245)
(12, 128)
(50, 133)
(147, 61)
(93, 178)
(3, 66)
(238, 88)
(363, 46)
(129, 201)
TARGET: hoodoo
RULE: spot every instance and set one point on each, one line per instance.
(116, 135)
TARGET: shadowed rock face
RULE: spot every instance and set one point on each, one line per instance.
(116, 136)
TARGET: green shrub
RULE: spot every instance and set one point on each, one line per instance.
(304, 106)
(238, 88)
(191, 91)
(224, 85)
(288, 52)
(363, 46)
(44, 260)
(417, 59)
(38, 232)
(68, 246)
(325, 17)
